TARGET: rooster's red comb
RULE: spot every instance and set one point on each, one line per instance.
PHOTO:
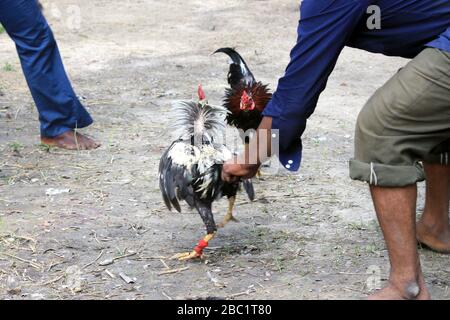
(245, 97)
(201, 93)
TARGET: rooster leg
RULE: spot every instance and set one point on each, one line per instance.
(204, 209)
(229, 216)
(198, 250)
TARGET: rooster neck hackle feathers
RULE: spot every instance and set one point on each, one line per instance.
(243, 119)
(198, 120)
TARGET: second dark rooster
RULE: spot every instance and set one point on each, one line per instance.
(246, 98)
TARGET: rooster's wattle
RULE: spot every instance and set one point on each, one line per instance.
(190, 169)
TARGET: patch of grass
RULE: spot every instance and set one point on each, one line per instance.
(372, 249)
(357, 226)
(15, 146)
(279, 264)
(2, 30)
(45, 147)
(8, 67)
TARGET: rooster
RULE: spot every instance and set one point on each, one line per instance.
(190, 169)
(246, 98)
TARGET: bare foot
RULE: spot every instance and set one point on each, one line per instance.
(71, 141)
(436, 238)
(408, 291)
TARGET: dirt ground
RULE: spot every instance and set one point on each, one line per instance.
(311, 235)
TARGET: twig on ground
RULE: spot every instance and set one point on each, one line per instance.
(165, 264)
(244, 293)
(53, 281)
(152, 258)
(112, 260)
(91, 263)
(172, 271)
(355, 290)
(52, 265)
(31, 263)
(166, 295)
(109, 273)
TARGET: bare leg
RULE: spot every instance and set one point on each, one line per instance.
(229, 216)
(433, 229)
(396, 211)
(71, 140)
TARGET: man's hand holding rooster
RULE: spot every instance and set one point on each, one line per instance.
(240, 167)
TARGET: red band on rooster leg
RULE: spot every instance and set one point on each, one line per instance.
(202, 244)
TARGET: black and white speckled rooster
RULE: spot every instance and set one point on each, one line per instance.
(190, 169)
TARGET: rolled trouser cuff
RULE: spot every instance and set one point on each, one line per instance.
(383, 175)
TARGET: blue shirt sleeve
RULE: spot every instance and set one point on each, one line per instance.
(443, 41)
(324, 28)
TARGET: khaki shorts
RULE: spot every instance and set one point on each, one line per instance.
(406, 122)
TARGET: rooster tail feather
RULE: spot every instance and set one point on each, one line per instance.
(239, 72)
